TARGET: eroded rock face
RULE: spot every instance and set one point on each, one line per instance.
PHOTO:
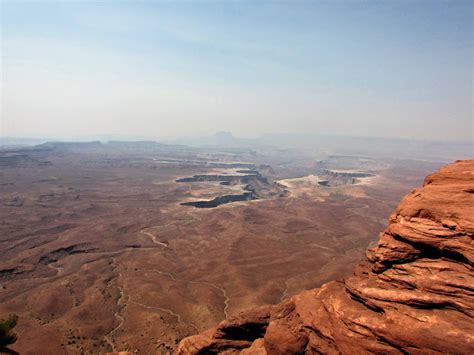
(414, 294)
(338, 178)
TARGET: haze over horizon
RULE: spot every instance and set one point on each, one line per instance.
(165, 70)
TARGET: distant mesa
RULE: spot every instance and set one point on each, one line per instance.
(329, 178)
(71, 145)
(254, 185)
(219, 139)
(100, 145)
(223, 136)
(133, 144)
(339, 177)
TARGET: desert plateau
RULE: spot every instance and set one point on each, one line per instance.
(236, 177)
(125, 246)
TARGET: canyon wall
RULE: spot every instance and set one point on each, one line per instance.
(413, 294)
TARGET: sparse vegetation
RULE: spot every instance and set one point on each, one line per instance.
(7, 336)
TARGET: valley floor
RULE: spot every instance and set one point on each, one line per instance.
(98, 254)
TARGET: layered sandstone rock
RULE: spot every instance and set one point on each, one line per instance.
(414, 294)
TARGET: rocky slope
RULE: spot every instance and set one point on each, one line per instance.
(414, 294)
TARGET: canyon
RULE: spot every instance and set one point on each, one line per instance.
(100, 255)
(253, 186)
(413, 294)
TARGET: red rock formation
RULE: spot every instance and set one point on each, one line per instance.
(414, 294)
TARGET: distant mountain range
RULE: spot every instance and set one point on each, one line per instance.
(310, 144)
(334, 144)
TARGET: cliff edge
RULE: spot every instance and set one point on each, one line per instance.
(414, 294)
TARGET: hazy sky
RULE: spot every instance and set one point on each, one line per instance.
(168, 69)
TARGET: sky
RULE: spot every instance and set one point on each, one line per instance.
(168, 69)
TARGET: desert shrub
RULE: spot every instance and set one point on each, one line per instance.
(7, 336)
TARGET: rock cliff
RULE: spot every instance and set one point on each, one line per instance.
(414, 294)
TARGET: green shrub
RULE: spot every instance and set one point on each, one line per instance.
(8, 337)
